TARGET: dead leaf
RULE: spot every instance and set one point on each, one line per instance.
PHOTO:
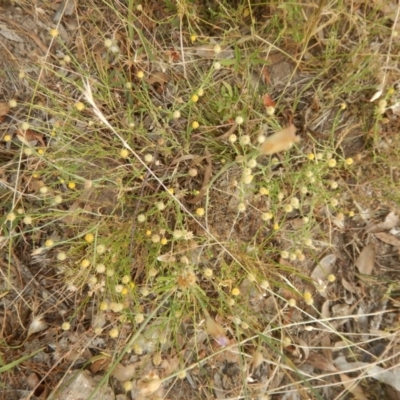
(340, 345)
(208, 51)
(29, 33)
(257, 360)
(321, 272)
(216, 331)
(302, 347)
(67, 7)
(349, 286)
(319, 361)
(159, 80)
(169, 365)
(364, 214)
(100, 363)
(267, 100)
(28, 137)
(390, 222)
(379, 332)
(9, 34)
(362, 319)
(37, 325)
(324, 268)
(149, 384)
(280, 141)
(4, 108)
(32, 380)
(157, 359)
(326, 340)
(352, 387)
(366, 260)
(174, 56)
(390, 377)
(338, 220)
(37, 251)
(341, 310)
(388, 238)
(325, 313)
(167, 258)
(376, 95)
(124, 372)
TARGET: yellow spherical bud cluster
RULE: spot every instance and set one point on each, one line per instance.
(308, 298)
(292, 302)
(241, 207)
(124, 153)
(331, 278)
(66, 326)
(79, 106)
(114, 333)
(239, 120)
(208, 273)
(331, 163)
(54, 32)
(235, 291)
(200, 211)
(284, 254)
(89, 237)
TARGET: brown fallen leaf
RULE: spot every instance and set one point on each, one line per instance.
(257, 360)
(390, 222)
(169, 365)
(302, 349)
(159, 80)
(267, 100)
(320, 362)
(173, 55)
(208, 51)
(366, 260)
(321, 272)
(4, 109)
(167, 258)
(324, 268)
(388, 238)
(30, 136)
(349, 286)
(38, 324)
(217, 331)
(280, 141)
(67, 7)
(326, 339)
(32, 380)
(124, 373)
(370, 370)
(352, 387)
(100, 363)
(149, 384)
